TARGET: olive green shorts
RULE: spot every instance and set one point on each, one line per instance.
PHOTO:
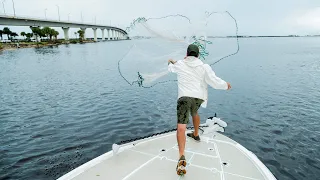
(186, 106)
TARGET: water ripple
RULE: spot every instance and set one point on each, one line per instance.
(60, 108)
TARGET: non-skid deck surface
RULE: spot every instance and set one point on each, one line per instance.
(215, 157)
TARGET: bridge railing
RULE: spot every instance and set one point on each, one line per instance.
(64, 20)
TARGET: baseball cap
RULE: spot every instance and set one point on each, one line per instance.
(193, 48)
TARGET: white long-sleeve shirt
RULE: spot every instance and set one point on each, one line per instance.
(194, 77)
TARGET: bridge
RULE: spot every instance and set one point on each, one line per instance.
(113, 33)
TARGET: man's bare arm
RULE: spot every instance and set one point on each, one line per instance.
(171, 61)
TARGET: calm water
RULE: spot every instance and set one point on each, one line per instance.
(62, 106)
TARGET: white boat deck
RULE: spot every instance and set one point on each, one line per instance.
(215, 157)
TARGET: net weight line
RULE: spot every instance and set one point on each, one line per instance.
(202, 48)
(143, 20)
(237, 37)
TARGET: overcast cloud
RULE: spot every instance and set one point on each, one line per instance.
(255, 17)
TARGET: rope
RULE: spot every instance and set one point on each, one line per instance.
(202, 47)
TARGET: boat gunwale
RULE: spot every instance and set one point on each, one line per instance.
(86, 166)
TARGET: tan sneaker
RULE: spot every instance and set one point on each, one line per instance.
(181, 166)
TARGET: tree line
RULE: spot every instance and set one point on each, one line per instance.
(7, 32)
(45, 32)
(38, 32)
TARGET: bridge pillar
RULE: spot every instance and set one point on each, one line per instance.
(66, 33)
(95, 34)
(108, 34)
(117, 35)
(103, 38)
(84, 35)
(112, 34)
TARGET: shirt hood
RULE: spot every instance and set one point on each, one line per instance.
(193, 61)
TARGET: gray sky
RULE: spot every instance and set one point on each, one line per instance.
(255, 17)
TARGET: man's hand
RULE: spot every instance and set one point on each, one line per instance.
(229, 86)
(171, 61)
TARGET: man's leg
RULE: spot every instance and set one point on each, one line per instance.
(181, 138)
(183, 111)
(196, 124)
